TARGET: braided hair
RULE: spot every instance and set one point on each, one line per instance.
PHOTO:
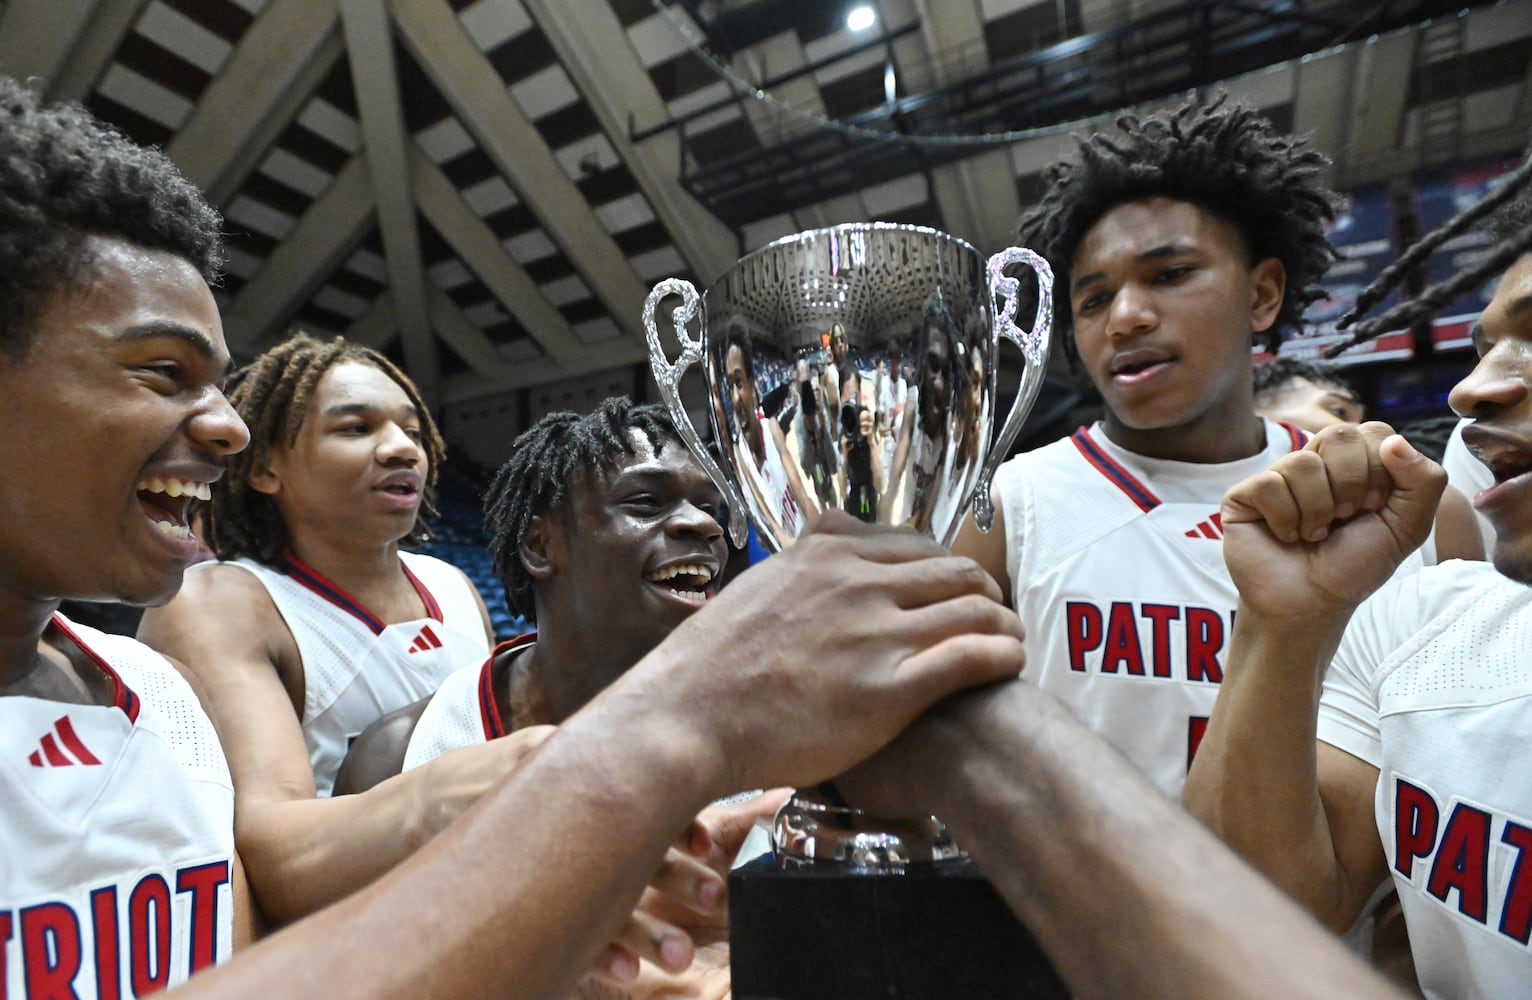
(272, 395)
(1222, 157)
(546, 464)
(1505, 213)
(65, 177)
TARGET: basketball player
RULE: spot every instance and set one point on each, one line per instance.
(760, 447)
(1175, 243)
(1418, 771)
(603, 531)
(117, 828)
(922, 444)
(314, 623)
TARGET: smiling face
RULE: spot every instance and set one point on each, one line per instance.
(742, 394)
(1496, 395)
(357, 468)
(114, 417)
(638, 548)
(1165, 304)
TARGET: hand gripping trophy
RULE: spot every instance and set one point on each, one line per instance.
(852, 367)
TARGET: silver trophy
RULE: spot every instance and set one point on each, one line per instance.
(854, 367)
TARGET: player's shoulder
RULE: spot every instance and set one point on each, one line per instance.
(222, 582)
(219, 603)
(1411, 600)
(1060, 451)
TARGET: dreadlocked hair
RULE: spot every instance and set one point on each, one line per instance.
(1506, 211)
(1224, 158)
(546, 464)
(65, 177)
(272, 395)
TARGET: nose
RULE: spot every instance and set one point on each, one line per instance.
(1131, 312)
(692, 519)
(218, 426)
(397, 447)
(1498, 381)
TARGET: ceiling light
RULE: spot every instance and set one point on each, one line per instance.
(860, 17)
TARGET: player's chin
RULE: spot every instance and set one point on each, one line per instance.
(1513, 558)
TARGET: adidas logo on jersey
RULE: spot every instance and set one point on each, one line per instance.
(1211, 528)
(61, 748)
(425, 641)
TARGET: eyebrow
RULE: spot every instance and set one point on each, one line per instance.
(654, 469)
(358, 409)
(1154, 253)
(1520, 304)
(196, 339)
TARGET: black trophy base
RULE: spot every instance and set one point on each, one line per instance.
(814, 933)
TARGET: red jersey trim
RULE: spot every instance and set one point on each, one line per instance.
(1297, 437)
(489, 709)
(122, 695)
(333, 592)
(1112, 470)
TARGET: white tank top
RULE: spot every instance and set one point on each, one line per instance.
(1116, 564)
(356, 668)
(463, 711)
(116, 833)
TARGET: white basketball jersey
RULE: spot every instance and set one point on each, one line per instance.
(463, 711)
(1431, 685)
(116, 834)
(1116, 564)
(770, 480)
(356, 667)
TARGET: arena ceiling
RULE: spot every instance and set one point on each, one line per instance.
(487, 189)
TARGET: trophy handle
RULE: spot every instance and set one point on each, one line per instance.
(1034, 345)
(668, 377)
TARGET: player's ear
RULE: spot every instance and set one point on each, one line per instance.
(1268, 284)
(538, 549)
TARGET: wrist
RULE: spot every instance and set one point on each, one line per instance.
(1315, 626)
(645, 721)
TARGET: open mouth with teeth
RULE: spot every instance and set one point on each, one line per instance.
(166, 503)
(689, 581)
(1509, 467)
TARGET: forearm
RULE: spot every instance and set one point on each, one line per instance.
(304, 854)
(521, 894)
(1129, 895)
(1255, 779)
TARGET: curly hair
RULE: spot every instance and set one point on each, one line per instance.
(66, 177)
(546, 463)
(1224, 158)
(272, 394)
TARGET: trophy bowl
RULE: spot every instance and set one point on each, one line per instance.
(855, 367)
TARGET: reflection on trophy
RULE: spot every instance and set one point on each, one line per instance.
(855, 367)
